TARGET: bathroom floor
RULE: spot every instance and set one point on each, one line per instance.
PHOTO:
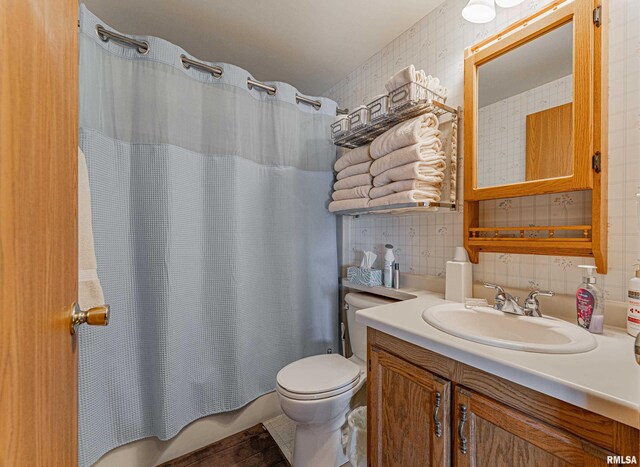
(254, 447)
(283, 431)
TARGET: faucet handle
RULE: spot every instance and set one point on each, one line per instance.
(542, 293)
(499, 289)
(531, 303)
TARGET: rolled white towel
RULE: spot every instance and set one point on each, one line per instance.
(433, 84)
(402, 77)
(353, 157)
(433, 186)
(352, 182)
(425, 171)
(352, 193)
(412, 196)
(343, 205)
(352, 170)
(405, 133)
(418, 152)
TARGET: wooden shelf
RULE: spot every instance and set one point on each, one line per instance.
(496, 233)
(532, 246)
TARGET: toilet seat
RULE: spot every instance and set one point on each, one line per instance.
(318, 377)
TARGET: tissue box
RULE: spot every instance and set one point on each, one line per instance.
(370, 277)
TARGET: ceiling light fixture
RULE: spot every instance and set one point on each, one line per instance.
(483, 11)
(479, 11)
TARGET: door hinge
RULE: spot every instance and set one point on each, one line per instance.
(597, 16)
(369, 364)
(596, 162)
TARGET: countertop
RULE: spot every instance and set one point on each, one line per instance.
(605, 380)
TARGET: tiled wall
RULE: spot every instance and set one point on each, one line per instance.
(502, 131)
(424, 242)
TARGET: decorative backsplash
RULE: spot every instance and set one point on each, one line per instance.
(424, 243)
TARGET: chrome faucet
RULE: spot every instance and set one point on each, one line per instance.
(509, 304)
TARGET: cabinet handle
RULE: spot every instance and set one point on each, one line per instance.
(463, 420)
(437, 425)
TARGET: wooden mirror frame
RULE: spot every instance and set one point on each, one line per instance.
(589, 128)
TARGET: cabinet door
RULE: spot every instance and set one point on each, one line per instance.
(408, 414)
(488, 433)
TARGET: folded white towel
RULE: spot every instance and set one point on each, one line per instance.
(343, 205)
(352, 182)
(90, 292)
(412, 196)
(404, 134)
(352, 157)
(424, 171)
(402, 77)
(406, 185)
(352, 170)
(418, 152)
(352, 193)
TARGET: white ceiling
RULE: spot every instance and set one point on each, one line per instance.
(309, 44)
(544, 59)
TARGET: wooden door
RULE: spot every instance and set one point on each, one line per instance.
(38, 231)
(489, 433)
(549, 146)
(409, 414)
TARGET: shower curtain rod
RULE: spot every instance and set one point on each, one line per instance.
(142, 47)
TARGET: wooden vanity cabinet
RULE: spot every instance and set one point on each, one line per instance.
(411, 406)
(484, 420)
(492, 434)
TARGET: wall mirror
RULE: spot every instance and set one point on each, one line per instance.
(535, 123)
(529, 91)
(525, 112)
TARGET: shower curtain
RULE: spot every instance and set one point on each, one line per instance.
(214, 246)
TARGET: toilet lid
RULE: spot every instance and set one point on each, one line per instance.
(318, 374)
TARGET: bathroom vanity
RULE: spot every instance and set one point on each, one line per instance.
(435, 399)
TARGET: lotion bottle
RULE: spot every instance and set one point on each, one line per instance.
(388, 266)
(589, 306)
(633, 304)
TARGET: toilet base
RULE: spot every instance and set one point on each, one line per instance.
(320, 445)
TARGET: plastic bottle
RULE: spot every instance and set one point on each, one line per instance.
(459, 277)
(388, 266)
(633, 304)
(589, 304)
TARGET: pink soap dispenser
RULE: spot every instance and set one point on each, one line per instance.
(589, 303)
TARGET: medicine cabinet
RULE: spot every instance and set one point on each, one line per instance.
(535, 123)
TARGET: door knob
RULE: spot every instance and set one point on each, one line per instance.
(96, 316)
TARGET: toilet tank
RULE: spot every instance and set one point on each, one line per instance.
(358, 332)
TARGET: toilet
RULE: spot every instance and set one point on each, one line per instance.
(315, 392)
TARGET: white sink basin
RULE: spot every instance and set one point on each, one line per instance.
(492, 327)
